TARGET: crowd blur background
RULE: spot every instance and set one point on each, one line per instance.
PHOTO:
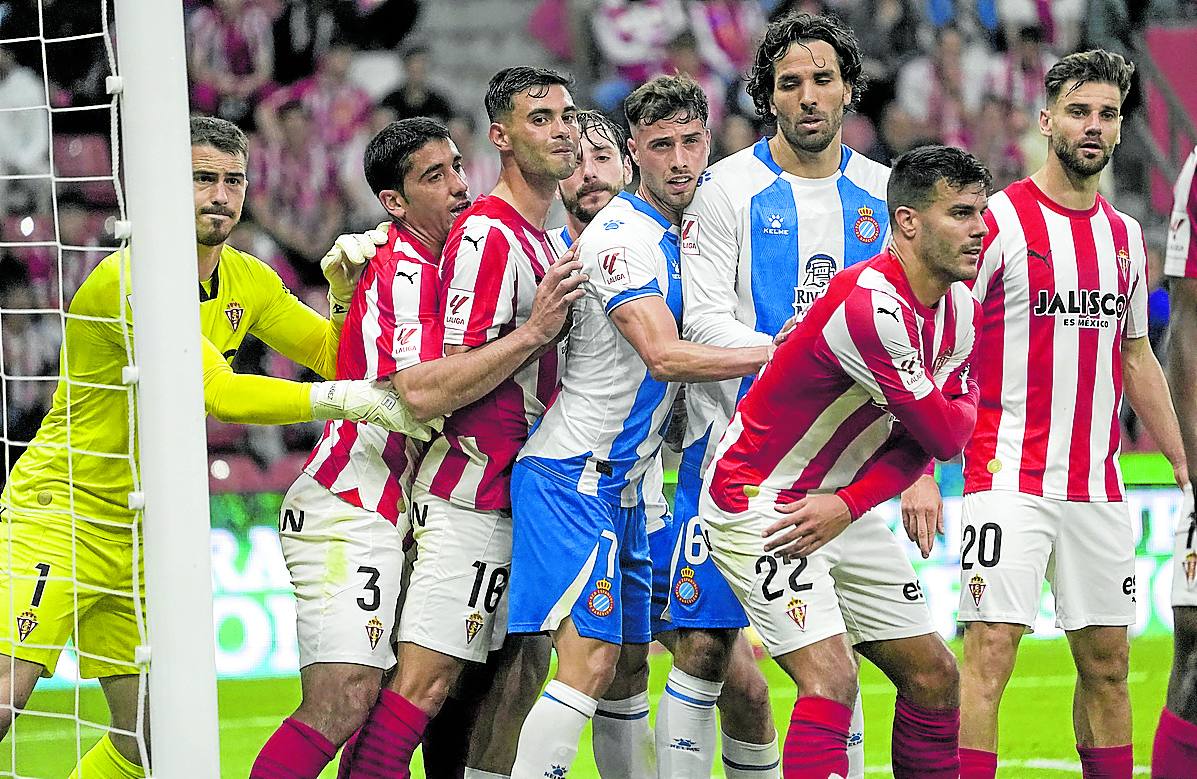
(313, 80)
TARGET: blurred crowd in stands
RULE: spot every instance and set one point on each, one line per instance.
(313, 80)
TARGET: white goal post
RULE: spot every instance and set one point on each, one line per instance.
(178, 577)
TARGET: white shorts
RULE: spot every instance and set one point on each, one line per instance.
(456, 601)
(861, 583)
(346, 565)
(1184, 558)
(1011, 542)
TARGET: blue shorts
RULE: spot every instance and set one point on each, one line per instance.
(684, 575)
(577, 556)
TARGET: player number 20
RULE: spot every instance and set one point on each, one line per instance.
(988, 541)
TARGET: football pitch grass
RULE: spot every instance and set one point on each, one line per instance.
(1037, 738)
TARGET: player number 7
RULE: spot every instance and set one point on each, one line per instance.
(612, 551)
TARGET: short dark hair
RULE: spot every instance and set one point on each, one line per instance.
(509, 82)
(220, 134)
(799, 28)
(665, 96)
(915, 174)
(597, 125)
(388, 154)
(1098, 65)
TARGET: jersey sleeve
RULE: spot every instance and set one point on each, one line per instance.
(477, 285)
(878, 348)
(401, 323)
(621, 268)
(292, 329)
(244, 398)
(710, 249)
(1136, 309)
(1181, 258)
(952, 376)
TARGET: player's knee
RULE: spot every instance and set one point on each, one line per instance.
(936, 681)
(590, 671)
(1107, 666)
(745, 696)
(834, 679)
(703, 653)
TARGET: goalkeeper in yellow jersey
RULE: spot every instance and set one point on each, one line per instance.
(71, 564)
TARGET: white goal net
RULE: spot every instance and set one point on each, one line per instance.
(70, 570)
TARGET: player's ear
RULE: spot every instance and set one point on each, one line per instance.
(1045, 122)
(393, 202)
(498, 136)
(905, 222)
(632, 152)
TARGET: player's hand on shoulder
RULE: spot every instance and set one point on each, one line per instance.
(808, 524)
(343, 264)
(922, 513)
(786, 329)
(556, 292)
(375, 402)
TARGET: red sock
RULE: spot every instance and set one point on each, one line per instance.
(926, 742)
(388, 738)
(817, 742)
(1175, 752)
(1107, 762)
(347, 755)
(977, 764)
(295, 751)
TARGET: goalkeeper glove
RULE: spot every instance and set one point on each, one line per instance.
(344, 263)
(376, 402)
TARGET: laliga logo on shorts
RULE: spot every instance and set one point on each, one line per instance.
(686, 590)
(1190, 567)
(600, 602)
(867, 228)
(976, 588)
(25, 624)
(374, 632)
(796, 611)
(473, 624)
(234, 311)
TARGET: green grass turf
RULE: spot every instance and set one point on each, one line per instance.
(1035, 724)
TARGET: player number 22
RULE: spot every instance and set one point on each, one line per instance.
(768, 565)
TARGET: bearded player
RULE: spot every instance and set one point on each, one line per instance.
(1063, 290)
(869, 386)
(69, 529)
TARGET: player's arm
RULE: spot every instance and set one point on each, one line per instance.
(648, 325)
(1147, 391)
(466, 374)
(1182, 361)
(710, 258)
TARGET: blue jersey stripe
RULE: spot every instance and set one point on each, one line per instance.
(865, 222)
(651, 288)
(774, 256)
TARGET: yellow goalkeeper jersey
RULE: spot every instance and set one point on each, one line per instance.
(81, 461)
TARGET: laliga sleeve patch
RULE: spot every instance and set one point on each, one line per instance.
(407, 341)
(458, 307)
(689, 234)
(613, 265)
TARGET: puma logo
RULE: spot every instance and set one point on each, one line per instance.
(887, 312)
(473, 241)
(411, 277)
(1045, 259)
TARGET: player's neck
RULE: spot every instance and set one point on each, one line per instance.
(673, 215)
(1064, 187)
(928, 287)
(209, 257)
(430, 240)
(574, 226)
(531, 196)
(804, 164)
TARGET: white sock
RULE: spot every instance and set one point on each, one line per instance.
(686, 732)
(742, 760)
(474, 773)
(856, 756)
(549, 738)
(623, 742)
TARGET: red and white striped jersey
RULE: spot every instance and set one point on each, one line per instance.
(818, 416)
(394, 322)
(492, 261)
(1181, 259)
(1059, 290)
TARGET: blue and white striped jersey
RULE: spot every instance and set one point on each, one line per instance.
(760, 245)
(607, 423)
